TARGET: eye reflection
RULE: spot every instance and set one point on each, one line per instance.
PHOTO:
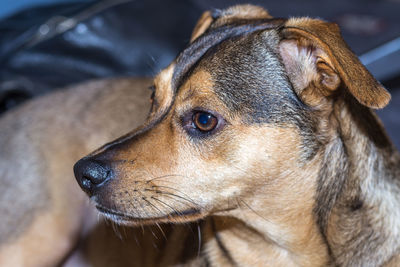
(204, 121)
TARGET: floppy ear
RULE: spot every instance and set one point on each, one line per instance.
(318, 61)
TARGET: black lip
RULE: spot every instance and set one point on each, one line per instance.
(124, 217)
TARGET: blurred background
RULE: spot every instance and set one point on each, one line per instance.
(48, 44)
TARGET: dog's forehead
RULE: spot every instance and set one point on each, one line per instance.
(171, 78)
(245, 69)
(211, 39)
(249, 78)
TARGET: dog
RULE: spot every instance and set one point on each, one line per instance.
(263, 129)
(43, 211)
(261, 149)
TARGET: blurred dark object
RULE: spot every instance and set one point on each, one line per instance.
(50, 47)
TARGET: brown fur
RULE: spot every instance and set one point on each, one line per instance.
(341, 60)
(281, 182)
(298, 172)
(42, 207)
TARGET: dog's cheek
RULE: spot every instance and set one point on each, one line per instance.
(244, 159)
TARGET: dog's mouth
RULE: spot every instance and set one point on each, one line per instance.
(174, 217)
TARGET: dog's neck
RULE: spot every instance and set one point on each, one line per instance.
(233, 242)
(278, 230)
(359, 198)
(346, 222)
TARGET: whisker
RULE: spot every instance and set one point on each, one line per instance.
(162, 202)
(171, 182)
(115, 227)
(162, 231)
(154, 244)
(116, 230)
(137, 213)
(180, 201)
(147, 215)
(255, 212)
(168, 187)
(124, 232)
(171, 194)
(152, 205)
(157, 224)
(137, 240)
(165, 176)
(199, 238)
(155, 236)
(141, 205)
(131, 202)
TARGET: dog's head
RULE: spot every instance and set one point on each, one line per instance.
(240, 114)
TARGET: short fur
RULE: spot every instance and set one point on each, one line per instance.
(300, 174)
(42, 209)
(299, 171)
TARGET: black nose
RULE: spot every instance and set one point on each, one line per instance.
(91, 174)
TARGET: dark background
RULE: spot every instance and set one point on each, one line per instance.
(46, 44)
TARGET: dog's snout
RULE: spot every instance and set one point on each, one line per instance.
(91, 174)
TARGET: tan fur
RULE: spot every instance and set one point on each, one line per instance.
(226, 16)
(57, 127)
(266, 219)
(326, 36)
(241, 12)
(202, 25)
(163, 84)
(266, 190)
(249, 195)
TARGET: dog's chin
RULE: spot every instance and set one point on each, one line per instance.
(121, 218)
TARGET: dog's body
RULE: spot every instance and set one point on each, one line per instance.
(261, 134)
(42, 208)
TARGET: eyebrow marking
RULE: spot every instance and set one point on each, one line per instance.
(188, 94)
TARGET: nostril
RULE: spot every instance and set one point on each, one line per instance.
(95, 173)
(86, 183)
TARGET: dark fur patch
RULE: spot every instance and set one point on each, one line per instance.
(332, 177)
(251, 80)
(188, 58)
(346, 213)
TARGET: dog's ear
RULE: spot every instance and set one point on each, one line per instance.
(202, 25)
(220, 17)
(318, 61)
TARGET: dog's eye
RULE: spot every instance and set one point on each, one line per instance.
(204, 121)
(200, 123)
